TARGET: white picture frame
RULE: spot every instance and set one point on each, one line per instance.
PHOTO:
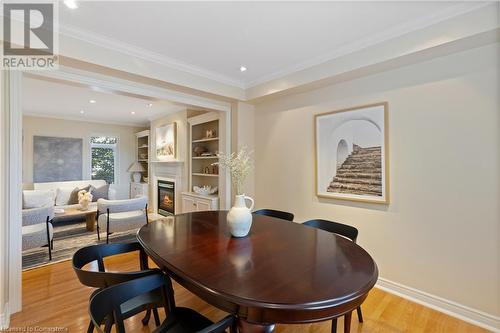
(352, 154)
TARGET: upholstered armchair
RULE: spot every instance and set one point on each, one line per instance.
(121, 215)
(37, 229)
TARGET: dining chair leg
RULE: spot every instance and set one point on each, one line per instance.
(234, 327)
(157, 317)
(91, 327)
(360, 314)
(334, 325)
(145, 320)
(347, 322)
(108, 325)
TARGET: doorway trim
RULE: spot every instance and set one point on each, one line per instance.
(13, 137)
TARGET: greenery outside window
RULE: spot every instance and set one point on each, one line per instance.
(104, 158)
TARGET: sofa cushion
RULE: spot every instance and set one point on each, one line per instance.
(36, 235)
(73, 198)
(38, 198)
(100, 192)
(63, 195)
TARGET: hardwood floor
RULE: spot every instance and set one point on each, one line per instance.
(54, 300)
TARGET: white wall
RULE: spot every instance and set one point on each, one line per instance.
(78, 129)
(440, 234)
(243, 135)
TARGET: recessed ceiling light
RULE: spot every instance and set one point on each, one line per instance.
(92, 101)
(243, 69)
(149, 105)
(82, 112)
(133, 112)
(71, 4)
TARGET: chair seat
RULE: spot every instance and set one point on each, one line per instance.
(35, 235)
(140, 303)
(183, 320)
(122, 221)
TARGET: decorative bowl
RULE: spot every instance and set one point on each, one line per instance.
(205, 190)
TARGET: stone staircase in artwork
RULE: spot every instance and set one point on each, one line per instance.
(361, 173)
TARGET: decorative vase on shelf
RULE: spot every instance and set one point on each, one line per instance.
(239, 218)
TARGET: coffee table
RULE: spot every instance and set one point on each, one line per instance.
(90, 215)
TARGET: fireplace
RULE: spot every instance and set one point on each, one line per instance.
(166, 198)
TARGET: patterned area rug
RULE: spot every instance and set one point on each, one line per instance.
(69, 237)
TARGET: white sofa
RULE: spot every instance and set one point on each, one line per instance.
(46, 194)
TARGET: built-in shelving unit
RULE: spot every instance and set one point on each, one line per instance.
(204, 145)
(142, 154)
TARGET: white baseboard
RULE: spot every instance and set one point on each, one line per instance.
(5, 318)
(470, 315)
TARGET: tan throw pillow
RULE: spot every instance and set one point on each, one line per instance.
(73, 198)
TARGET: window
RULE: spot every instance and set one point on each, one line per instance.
(103, 158)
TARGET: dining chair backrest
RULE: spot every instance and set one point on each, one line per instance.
(275, 213)
(153, 290)
(101, 278)
(344, 230)
(109, 301)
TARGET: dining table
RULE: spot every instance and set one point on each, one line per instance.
(281, 272)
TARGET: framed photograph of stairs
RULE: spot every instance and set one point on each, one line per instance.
(352, 154)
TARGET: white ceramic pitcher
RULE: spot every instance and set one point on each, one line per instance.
(239, 218)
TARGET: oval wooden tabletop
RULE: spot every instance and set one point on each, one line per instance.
(282, 272)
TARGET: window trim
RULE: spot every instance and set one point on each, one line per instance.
(113, 146)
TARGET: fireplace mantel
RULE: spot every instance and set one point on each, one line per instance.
(167, 162)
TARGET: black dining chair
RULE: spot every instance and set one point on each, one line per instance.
(154, 290)
(101, 279)
(275, 213)
(343, 230)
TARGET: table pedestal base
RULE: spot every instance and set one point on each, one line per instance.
(246, 327)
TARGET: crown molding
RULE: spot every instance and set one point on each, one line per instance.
(394, 32)
(136, 51)
(397, 31)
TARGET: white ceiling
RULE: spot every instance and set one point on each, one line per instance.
(271, 39)
(59, 99)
